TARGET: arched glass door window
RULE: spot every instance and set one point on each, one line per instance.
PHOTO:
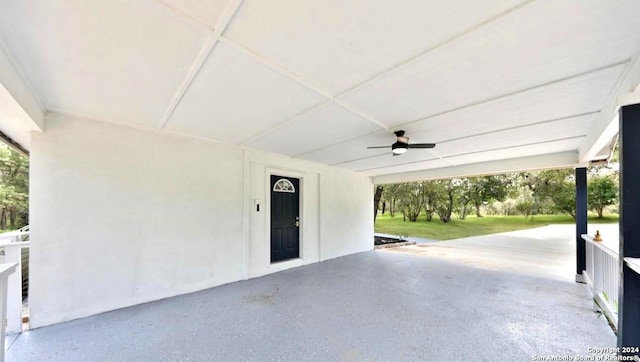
(284, 185)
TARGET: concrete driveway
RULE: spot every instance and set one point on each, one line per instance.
(507, 297)
(542, 251)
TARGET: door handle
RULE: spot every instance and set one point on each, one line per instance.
(297, 223)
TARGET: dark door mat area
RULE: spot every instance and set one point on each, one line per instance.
(380, 242)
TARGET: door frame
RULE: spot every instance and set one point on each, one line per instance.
(287, 173)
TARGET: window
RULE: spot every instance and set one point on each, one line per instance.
(284, 185)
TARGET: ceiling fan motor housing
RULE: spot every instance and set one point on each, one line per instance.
(399, 147)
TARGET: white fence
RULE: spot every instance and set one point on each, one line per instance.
(12, 243)
(5, 271)
(603, 276)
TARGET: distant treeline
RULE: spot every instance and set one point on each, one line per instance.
(14, 189)
(525, 193)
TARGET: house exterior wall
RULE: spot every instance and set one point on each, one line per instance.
(337, 211)
(121, 216)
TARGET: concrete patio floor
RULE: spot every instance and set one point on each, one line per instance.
(504, 297)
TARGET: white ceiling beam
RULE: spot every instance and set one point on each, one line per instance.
(17, 93)
(277, 127)
(552, 120)
(310, 85)
(362, 114)
(437, 154)
(538, 86)
(448, 158)
(185, 15)
(279, 68)
(629, 98)
(548, 161)
(440, 45)
(606, 125)
(224, 20)
(13, 144)
(519, 91)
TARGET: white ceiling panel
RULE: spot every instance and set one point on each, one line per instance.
(352, 149)
(234, 98)
(576, 96)
(12, 121)
(502, 154)
(337, 44)
(388, 159)
(516, 152)
(560, 101)
(567, 128)
(541, 42)
(119, 61)
(207, 12)
(408, 167)
(325, 126)
(319, 80)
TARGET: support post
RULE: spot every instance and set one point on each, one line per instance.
(629, 293)
(13, 254)
(581, 222)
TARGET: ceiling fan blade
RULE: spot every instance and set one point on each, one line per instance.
(422, 145)
(379, 147)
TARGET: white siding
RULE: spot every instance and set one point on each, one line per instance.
(121, 216)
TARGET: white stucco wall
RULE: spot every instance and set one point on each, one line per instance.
(121, 216)
(347, 206)
(336, 217)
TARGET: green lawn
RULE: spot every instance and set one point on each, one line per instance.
(472, 226)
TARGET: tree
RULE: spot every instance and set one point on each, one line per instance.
(525, 203)
(412, 200)
(506, 207)
(563, 195)
(392, 193)
(376, 201)
(14, 188)
(554, 190)
(444, 208)
(432, 194)
(462, 203)
(543, 185)
(601, 192)
(486, 189)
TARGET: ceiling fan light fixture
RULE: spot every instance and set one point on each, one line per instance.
(402, 144)
(399, 148)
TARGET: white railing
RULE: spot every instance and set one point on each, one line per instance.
(6, 271)
(602, 275)
(16, 236)
(13, 255)
(13, 244)
(633, 263)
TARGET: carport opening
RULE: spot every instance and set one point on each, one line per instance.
(14, 221)
(464, 207)
(431, 211)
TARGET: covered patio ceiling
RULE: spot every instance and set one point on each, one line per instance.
(499, 85)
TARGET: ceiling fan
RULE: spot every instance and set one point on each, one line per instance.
(402, 144)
